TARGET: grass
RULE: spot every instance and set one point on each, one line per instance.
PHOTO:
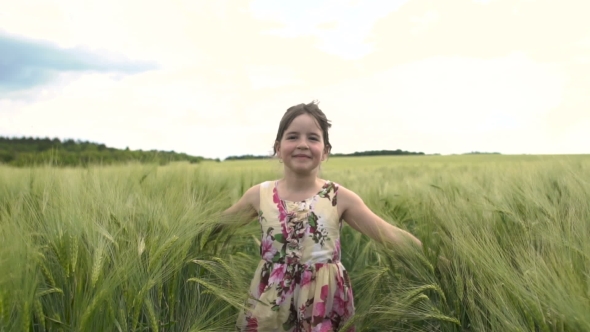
(122, 248)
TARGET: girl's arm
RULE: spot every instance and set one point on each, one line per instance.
(241, 212)
(361, 218)
(245, 209)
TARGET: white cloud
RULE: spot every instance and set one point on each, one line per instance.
(262, 76)
(341, 27)
(445, 100)
(424, 22)
(150, 110)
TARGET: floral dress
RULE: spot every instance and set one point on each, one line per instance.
(299, 284)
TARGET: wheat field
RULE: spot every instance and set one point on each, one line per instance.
(127, 248)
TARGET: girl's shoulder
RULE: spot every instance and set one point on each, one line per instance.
(266, 184)
(252, 195)
(264, 188)
(346, 197)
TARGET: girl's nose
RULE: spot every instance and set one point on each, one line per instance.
(302, 145)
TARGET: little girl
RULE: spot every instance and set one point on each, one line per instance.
(300, 283)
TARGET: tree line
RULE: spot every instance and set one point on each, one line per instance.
(30, 151)
(397, 152)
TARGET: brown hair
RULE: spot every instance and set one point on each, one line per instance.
(297, 110)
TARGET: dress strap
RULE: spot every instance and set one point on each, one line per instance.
(266, 189)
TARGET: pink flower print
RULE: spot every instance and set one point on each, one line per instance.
(268, 250)
(261, 287)
(336, 253)
(339, 281)
(252, 325)
(325, 326)
(283, 216)
(278, 273)
(275, 196)
(288, 285)
(306, 278)
(287, 279)
(301, 310)
(319, 310)
(280, 206)
(340, 305)
(283, 213)
(340, 284)
(324, 293)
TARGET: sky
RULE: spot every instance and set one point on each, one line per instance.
(213, 78)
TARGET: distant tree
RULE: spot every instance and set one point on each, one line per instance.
(397, 152)
(477, 152)
(27, 151)
(245, 157)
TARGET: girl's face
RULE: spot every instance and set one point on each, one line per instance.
(302, 146)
